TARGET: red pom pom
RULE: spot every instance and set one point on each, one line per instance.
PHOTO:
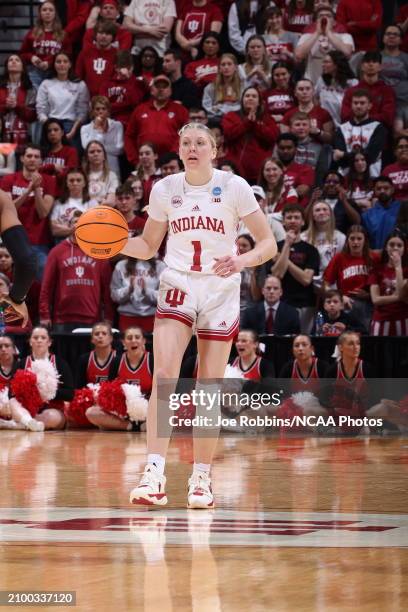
(288, 410)
(24, 387)
(404, 405)
(111, 398)
(75, 410)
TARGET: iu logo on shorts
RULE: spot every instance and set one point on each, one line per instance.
(175, 297)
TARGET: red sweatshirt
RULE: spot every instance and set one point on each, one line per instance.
(160, 127)
(16, 123)
(382, 98)
(95, 67)
(248, 143)
(77, 14)
(124, 96)
(75, 287)
(123, 39)
(366, 16)
(65, 159)
(399, 176)
(45, 47)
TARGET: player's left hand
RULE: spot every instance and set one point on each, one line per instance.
(227, 265)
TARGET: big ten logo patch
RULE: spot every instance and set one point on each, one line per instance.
(175, 297)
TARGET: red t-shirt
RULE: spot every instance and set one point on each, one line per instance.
(319, 114)
(36, 228)
(384, 276)
(348, 273)
(136, 225)
(96, 67)
(46, 47)
(298, 21)
(202, 71)
(278, 101)
(196, 20)
(274, 50)
(124, 96)
(299, 174)
(122, 41)
(399, 176)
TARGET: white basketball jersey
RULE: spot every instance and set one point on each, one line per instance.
(203, 221)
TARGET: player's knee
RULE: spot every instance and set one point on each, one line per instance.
(53, 419)
(166, 372)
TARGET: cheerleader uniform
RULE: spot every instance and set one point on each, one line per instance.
(141, 375)
(91, 371)
(65, 391)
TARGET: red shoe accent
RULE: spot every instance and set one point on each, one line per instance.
(141, 501)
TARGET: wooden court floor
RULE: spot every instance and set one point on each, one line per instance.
(300, 524)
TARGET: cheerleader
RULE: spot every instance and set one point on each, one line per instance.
(251, 365)
(305, 368)
(13, 415)
(134, 366)
(51, 413)
(93, 367)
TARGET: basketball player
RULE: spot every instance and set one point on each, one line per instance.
(14, 238)
(200, 209)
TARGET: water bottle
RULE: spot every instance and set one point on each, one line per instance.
(2, 322)
(319, 323)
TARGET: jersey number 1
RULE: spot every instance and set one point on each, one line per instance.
(196, 267)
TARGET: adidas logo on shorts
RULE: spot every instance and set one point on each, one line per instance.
(222, 324)
(195, 208)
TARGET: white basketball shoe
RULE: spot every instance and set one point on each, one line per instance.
(151, 489)
(199, 491)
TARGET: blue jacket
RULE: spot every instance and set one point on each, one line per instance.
(379, 222)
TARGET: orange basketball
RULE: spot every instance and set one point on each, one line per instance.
(101, 232)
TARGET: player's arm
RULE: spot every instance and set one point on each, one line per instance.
(146, 245)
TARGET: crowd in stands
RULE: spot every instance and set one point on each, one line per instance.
(307, 100)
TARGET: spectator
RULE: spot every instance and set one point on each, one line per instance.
(182, 89)
(137, 188)
(363, 21)
(349, 272)
(359, 184)
(124, 91)
(305, 367)
(279, 98)
(280, 44)
(313, 47)
(7, 158)
(59, 156)
(388, 282)
(75, 289)
(272, 218)
(43, 42)
(146, 170)
(196, 17)
(272, 315)
(102, 182)
(6, 262)
(255, 71)
(170, 163)
(309, 152)
(398, 172)
(321, 122)
(96, 65)
(73, 201)
(331, 86)
(298, 176)
(63, 96)
(394, 67)
(126, 203)
(334, 194)
(204, 69)
(380, 220)
(218, 133)
(298, 15)
(224, 94)
(150, 27)
(197, 114)
(157, 121)
(272, 180)
(382, 96)
(245, 18)
(107, 11)
(250, 134)
(360, 133)
(248, 289)
(335, 320)
(321, 232)
(296, 265)
(148, 64)
(17, 103)
(105, 130)
(134, 287)
(33, 197)
(52, 412)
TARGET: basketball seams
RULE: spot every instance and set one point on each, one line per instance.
(102, 232)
